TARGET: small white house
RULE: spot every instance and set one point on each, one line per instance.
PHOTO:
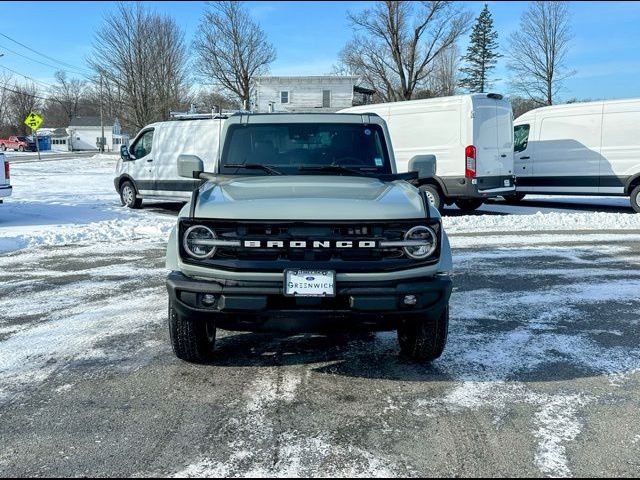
(60, 140)
(85, 134)
(304, 94)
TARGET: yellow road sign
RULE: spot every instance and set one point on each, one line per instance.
(33, 120)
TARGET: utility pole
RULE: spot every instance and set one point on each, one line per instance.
(101, 119)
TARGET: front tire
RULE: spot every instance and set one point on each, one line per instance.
(423, 338)
(3, 147)
(635, 199)
(433, 195)
(128, 195)
(21, 148)
(469, 205)
(192, 340)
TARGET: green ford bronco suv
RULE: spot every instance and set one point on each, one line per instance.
(305, 226)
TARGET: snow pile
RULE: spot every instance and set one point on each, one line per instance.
(120, 230)
(106, 156)
(72, 201)
(558, 221)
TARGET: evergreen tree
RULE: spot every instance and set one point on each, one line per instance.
(481, 55)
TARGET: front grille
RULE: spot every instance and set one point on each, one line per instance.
(333, 258)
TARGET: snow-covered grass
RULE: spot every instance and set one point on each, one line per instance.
(72, 201)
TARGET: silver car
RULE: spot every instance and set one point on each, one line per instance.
(305, 226)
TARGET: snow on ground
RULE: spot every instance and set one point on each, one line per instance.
(538, 221)
(498, 335)
(71, 201)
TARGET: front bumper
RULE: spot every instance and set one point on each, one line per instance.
(261, 306)
(5, 191)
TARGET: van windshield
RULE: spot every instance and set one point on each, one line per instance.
(305, 148)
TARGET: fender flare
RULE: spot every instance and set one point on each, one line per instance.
(437, 181)
(631, 182)
(125, 176)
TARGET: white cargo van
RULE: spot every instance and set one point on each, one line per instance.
(470, 135)
(148, 168)
(580, 148)
(5, 188)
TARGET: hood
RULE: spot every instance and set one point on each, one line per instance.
(309, 197)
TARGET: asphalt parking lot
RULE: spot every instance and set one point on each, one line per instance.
(540, 376)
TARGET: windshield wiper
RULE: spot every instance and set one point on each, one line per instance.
(335, 169)
(253, 166)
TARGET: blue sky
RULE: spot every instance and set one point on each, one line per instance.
(605, 51)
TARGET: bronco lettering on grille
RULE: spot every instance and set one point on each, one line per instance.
(306, 244)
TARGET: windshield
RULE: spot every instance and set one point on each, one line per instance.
(23, 139)
(305, 148)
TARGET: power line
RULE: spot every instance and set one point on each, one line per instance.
(43, 55)
(27, 77)
(41, 63)
(22, 93)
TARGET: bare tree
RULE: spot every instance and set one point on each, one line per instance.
(396, 44)
(537, 51)
(522, 105)
(444, 80)
(206, 101)
(6, 81)
(68, 92)
(139, 58)
(23, 99)
(232, 49)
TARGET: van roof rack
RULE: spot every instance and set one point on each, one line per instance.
(197, 116)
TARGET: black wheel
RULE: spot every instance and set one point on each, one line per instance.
(469, 204)
(3, 147)
(21, 148)
(128, 195)
(514, 199)
(635, 199)
(192, 340)
(434, 195)
(423, 338)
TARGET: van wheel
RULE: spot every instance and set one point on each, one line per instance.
(434, 196)
(514, 199)
(128, 195)
(192, 340)
(21, 148)
(469, 205)
(423, 338)
(635, 199)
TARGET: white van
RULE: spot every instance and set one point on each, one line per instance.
(5, 188)
(148, 168)
(580, 148)
(470, 135)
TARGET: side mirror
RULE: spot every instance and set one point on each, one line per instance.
(190, 166)
(425, 165)
(124, 153)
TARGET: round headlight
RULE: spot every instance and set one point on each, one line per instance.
(197, 242)
(427, 242)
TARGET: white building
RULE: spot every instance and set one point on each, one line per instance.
(60, 140)
(306, 94)
(85, 134)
